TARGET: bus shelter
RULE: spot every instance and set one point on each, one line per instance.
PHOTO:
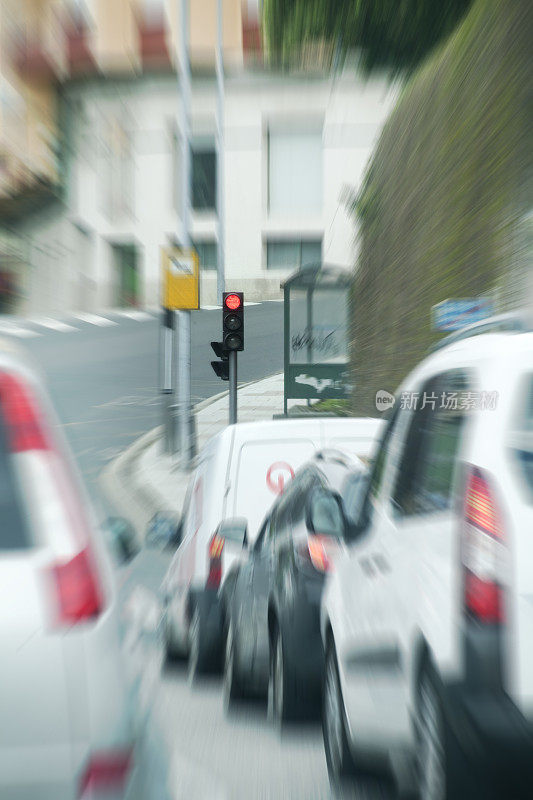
(316, 326)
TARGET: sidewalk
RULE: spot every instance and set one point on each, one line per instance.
(144, 480)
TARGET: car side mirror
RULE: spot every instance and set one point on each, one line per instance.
(164, 530)
(123, 538)
(325, 514)
(234, 531)
(358, 524)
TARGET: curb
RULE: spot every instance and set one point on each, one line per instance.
(132, 499)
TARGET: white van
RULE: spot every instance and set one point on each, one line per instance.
(240, 472)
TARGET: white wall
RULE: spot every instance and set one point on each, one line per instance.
(350, 114)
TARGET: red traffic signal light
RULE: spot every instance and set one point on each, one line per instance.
(233, 321)
(233, 301)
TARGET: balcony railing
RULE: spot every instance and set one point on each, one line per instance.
(80, 58)
(153, 41)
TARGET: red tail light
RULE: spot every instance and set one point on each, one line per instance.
(105, 772)
(51, 491)
(216, 548)
(317, 551)
(77, 591)
(484, 553)
(20, 411)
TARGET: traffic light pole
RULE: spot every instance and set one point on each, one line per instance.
(233, 387)
(232, 342)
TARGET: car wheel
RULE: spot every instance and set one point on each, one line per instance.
(199, 653)
(282, 705)
(339, 759)
(233, 687)
(442, 771)
(172, 654)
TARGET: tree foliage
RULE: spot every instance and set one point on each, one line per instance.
(389, 34)
(447, 195)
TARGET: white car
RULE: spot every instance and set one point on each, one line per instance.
(240, 472)
(69, 721)
(427, 621)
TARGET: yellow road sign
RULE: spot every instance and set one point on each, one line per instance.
(181, 278)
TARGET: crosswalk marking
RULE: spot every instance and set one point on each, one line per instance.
(15, 330)
(132, 314)
(24, 328)
(94, 319)
(215, 308)
(54, 324)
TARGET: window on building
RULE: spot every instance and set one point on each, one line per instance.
(294, 172)
(204, 176)
(118, 169)
(293, 254)
(176, 167)
(207, 254)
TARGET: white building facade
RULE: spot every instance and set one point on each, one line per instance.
(295, 149)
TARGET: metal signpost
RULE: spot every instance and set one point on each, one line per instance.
(166, 349)
(451, 315)
(181, 292)
(316, 324)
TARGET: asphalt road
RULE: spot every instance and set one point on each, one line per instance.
(104, 378)
(241, 756)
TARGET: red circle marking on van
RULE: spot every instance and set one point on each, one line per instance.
(278, 474)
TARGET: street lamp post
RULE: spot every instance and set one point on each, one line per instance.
(184, 317)
(221, 208)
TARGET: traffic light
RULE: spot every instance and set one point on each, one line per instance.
(221, 367)
(233, 321)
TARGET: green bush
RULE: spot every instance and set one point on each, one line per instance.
(447, 185)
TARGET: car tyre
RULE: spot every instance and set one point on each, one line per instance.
(200, 658)
(172, 654)
(441, 768)
(282, 703)
(341, 765)
(233, 685)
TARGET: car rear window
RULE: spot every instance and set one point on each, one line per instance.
(522, 440)
(14, 532)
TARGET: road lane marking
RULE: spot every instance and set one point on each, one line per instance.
(215, 308)
(54, 324)
(94, 319)
(14, 330)
(133, 314)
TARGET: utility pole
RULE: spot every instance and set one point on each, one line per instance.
(186, 429)
(221, 208)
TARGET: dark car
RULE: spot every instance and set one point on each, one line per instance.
(273, 644)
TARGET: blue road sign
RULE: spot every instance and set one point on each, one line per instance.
(451, 315)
